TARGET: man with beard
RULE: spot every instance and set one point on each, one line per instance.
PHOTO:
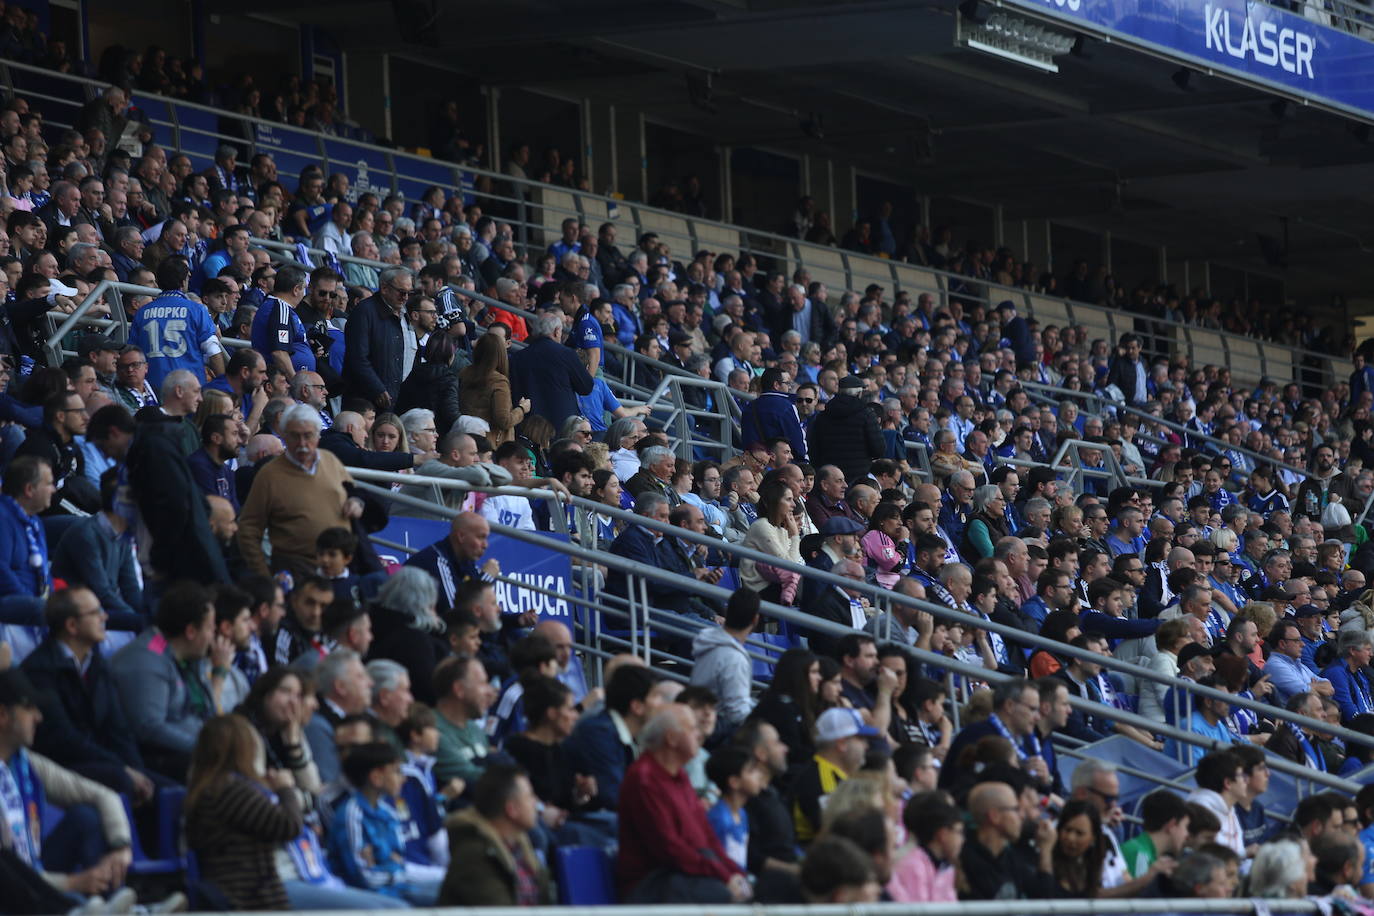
(1325, 481)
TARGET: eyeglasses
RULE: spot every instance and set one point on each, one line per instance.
(1109, 799)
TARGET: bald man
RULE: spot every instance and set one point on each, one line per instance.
(569, 669)
(260, 449)
(347, 439)
(453, 560)
(995, 867)
(1156, 595)
(457, 460)
(223, 523)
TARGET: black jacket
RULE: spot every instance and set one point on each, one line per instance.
(551, 376)
(846, 434)
(394, 638)
(1121, 373)
(374, 355)
(173, 507)
(432, 387)
(355, 456)
(828, 604)
(83, 727)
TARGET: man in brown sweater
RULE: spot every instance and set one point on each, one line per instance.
(294, 498)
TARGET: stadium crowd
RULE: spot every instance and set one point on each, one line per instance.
(189, 595)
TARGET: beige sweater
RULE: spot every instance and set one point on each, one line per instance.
(291, 507)
(769, 538)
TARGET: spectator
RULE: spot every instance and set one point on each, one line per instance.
(84, 727)
(463, 697)
(1164, 823)
(88, 853)
(776, 533)
(773, 415)
(996, 866)
(1221, 784)
(294, 499)
(344, 689)
(219, 444)
(433, 385)
(925, 869)
(380, 347)
(668, 852)
(94, 551)
(491, 860)
(603, 744)
(56, 442)
(347, 440)
(174, 332)
(721, 661)
(238, 816)
(846, 433)
(453, 560)
(174, 677)
(549, 374)
(1349, 677)
(407, 629)
(840, 750)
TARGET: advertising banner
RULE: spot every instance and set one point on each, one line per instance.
(1259, 43)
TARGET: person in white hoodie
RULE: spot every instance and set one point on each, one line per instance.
(721, 661)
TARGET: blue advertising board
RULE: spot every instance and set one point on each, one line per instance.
(1253, 41)
(368, 169)
(291, 149)
(524, 562)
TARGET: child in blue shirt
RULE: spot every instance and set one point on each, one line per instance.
(737, 773)
(367, 839)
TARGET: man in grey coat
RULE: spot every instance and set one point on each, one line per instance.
(176, 675)
(722, 662)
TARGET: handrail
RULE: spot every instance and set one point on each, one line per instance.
(643, 572)
(1066, 907)
(53, 345)
(1222, 444)
(875, 593)
(777, 245)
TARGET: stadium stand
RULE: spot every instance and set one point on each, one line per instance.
(413, 540)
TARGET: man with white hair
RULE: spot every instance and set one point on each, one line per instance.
(308, 387)
(296, 497)
(668, 851)
(550, 374)
(655, 475)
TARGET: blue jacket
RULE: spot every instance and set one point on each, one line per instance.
(18, 573)
(1354, 693)
(90, 552)
(551, 376)
(374, 355)
(595, 748)
(1116, 627)
(773, 414)
(637, 543)
(367, 845)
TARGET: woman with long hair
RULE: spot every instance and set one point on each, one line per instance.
(776, 532)
(484, 390)
(389, 434)
(1079, 850)
(239, 814)
(790, 702)
(433, 385)
(278, 708)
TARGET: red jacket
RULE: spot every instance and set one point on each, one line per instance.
(663, 825)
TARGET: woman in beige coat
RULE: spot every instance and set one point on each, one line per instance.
(484, 390)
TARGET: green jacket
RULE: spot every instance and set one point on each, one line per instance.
(481, 870)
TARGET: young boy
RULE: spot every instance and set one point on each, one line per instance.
(419, 733)
(367, 840)
(464, 633)
(736, 772)
(334, 549)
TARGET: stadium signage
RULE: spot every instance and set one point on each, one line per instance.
(1253, 42)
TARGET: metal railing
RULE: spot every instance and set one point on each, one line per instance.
(60, 324)
(536, 210)
(881, 599)
(1065, 907)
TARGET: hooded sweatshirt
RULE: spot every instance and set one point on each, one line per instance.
(723, 665)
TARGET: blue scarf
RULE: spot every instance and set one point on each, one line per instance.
(21, 799)
(36, 544)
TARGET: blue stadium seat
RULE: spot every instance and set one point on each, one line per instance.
(777, 644)
(168, 865)
(585, 876)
